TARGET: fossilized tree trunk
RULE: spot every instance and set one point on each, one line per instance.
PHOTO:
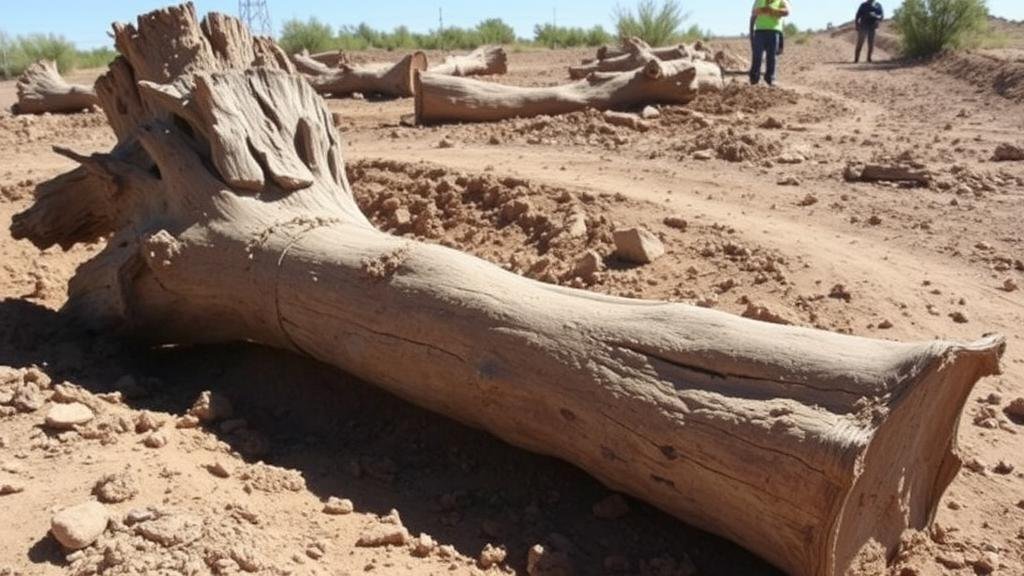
(449, 99)
(232, 220)
(637, 54)
(389, 80)
(675, 52)
(484, 61)
(41, 89)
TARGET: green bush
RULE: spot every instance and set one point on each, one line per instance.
(495, 31)
(311, 35)
(16, 54)
(564, 37)
(930, 26)
(654, 24)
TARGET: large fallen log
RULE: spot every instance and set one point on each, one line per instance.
(235, 221)
(41, 89)
(442, 98)
(484, 61)
(638, 54)
(388, 80)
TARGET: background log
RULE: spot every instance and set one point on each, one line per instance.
(41, 89)
(389, 80)
(484, 61)
(234, 221)
(449, 99)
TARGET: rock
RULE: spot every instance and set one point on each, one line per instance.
(1003, 467)
(218, 469)
(542, 562)
(789, 181)
(156, 440)
(1008, 153)
(423, 546)
(37, 377)
(383, 534)
(772, 123)
(28, 398)
(650, 113)
(611, 508)
(11, 487)
(211, 407)
(1015, 409)
(338, 506)
(987, 563)
(874, 220)
(765, 314)
(115, 488)
(676, 222)
(491, 556)
(808, 200)
(445, 143)
(576, 225)
(187, 421)
(588, 265)
(885, 324)
(147, 421)
(637, 245)
(631, 121)
(790, 159)
(958, 317)
(703, 155)
(79, 526)
(1010, 285)
(171, 530)
(839, 292)
(67, 416)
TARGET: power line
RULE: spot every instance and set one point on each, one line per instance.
(256, 15)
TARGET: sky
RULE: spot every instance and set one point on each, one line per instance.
(86, 22)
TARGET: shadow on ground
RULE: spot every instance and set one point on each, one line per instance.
(460, 485)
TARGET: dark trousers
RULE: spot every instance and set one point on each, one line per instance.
(764, 42)
(863, 32)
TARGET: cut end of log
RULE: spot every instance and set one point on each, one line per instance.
(913, 456)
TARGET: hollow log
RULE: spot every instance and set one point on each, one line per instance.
(388, 80)
(484, 61)
(41, 89)
(449, 99)
(234, 221)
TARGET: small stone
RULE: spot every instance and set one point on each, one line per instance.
(147, 421)
(218, 469)
(423, 546)
(885, 324)
(839, 292)
(445, 143)
(637, 245)
(156, 440)
(338, 506)
(958, 317)
(588, 265)
(67, 416)
(28, 398)
(808, 200)
(37, 377)
(171, 529)
(1008, 153)
(1003, 468)
(79, 526)
(187, 421)
(874, 220)
(994, 398)
(650, 113)
(1015, 409)
(576, 225)
(987, 563)
(703, 155)
(791, 159)
(115, 488)
(611, 508)
(491, 556)
(383, 534)
(789, 181)
(676, 222)
(1010, 285)
(12, 487)
(211, 407)
(976, 465)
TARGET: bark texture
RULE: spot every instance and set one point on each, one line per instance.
(442, 99)
(41, 89)
(662, 53)
(231, 219)
(484, 61)
(388, 80)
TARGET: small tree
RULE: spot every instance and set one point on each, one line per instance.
(931, 26)
(495, 31)
(654, 24)
(311, 35)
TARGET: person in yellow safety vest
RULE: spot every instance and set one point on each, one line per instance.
(765, 37)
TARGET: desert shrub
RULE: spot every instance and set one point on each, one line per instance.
(95, 58)
(495, 31)
(930, 26)
(18, 53)
(694, 33)
(565, 37)
(654, 24)
(312, 35)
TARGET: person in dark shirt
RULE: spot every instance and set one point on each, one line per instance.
(869, 15)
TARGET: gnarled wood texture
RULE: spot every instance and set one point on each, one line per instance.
(484, 61)
(449, 99)
(662, 53)
(637, 54)
(41, 89)
(233, 220)
(389, 80)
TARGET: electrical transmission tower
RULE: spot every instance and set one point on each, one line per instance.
(256, 16)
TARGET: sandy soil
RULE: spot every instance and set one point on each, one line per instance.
(746, 190)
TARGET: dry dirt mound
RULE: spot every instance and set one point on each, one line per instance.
(1003, 73)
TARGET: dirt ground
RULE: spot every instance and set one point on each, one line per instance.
(746, 188)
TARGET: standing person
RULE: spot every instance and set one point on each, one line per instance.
(766, 36)
(869, 15)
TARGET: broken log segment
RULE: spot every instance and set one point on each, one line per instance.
(484, 61)
(41, 89)
(855, 172)
(802, 445)
(450, 99)
(388, 80)
(638, 54)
